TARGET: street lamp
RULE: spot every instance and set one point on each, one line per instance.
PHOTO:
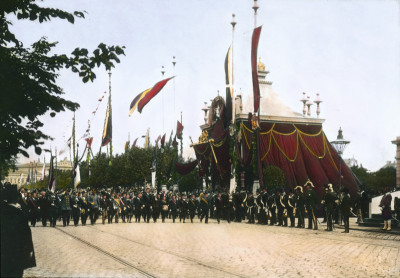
(340, 144)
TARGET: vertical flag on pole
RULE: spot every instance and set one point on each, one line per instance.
(77, 179)
(256, 88)
(228, 96)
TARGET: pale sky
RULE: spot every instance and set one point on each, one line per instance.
(347, 51)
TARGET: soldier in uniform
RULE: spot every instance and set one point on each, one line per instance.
(122, 206)
(290, 205)
(66, 208)
(146, 205)
(164, 208)
(260, 208)
(280, 206)
(104, 207)
(204, 206)
(173, 208)
(76, 210)
(311, 204)
(272, 208)
(84, 205)
(192, 207)
(23, 202)
(218, 206)
(300, 207)
(116, 207)
(33, 208)
(44, 208)
(329, 203)
(129, 208)
(137, 202)
(53, 210)
(238, 205)
(345, 207)
(250, 205)
(94, 201)
(156, 202)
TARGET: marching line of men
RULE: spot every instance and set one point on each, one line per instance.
(278, 208)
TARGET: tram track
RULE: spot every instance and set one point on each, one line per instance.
(112, 256)
(198, 262)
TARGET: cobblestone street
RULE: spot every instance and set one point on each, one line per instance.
(212, 250)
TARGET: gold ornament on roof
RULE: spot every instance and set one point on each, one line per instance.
(261, 66)
(203, 137)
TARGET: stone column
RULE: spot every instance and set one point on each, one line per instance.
(397, 143)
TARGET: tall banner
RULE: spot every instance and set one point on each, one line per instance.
(107, 132)
(136, 100)
(256, 88)
(51, 173)
(77, 179)
(152, 93)
(228, 96)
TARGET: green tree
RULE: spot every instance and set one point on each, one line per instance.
(28, 77)
(274, 177)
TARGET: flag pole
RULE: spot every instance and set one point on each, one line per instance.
(110, 115)
(181, 136)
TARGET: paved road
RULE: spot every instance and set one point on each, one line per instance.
(212, 250)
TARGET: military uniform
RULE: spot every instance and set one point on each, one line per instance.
(137, 203)
(44, 208)
(53, 210)
(164, 208)
(76, 210)
(311, 204)
(300, 207)
(192, 208)
(173, 207)
(272, 208)
(290, 205)
(250, 205)
(66, 208)
(329, 202)
(218, 208)
(204, 206)
(84, 205)
(345, 207)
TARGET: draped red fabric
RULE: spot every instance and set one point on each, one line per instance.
(303, 152)
(185, 168)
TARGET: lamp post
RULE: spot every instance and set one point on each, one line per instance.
(340, 144)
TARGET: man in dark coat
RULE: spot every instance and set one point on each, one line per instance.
(218, 207)
(173, 207)
(76, 210)
(311, 205)
(146, 205)
(204, 206)
(272, 208)
(44, 208)
(192, 207)
(300, 207)
(345, 207)
(138, 203)
(17, 251)
(33, 208)
(250, 205)
(85, 206)
(66, 208)
(329, 204)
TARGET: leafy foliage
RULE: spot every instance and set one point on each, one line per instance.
(384, 178)
(28, 77)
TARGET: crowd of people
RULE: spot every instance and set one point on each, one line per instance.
(294, 208)
(82, 206)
